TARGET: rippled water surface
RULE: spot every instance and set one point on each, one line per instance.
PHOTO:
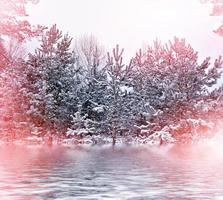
(58, 172)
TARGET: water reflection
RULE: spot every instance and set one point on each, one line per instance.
(57, 172)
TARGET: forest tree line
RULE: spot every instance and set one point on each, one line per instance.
(74, 88)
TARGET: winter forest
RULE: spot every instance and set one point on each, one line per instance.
(76, 90)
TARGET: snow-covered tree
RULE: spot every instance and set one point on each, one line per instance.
(14, 31)
(120, 92)
(50, 80)
(92, 62)
(172, 82)
(13, 22)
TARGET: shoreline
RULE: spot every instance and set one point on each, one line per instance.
(91, 141)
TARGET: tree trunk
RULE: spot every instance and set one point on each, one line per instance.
(113, 134)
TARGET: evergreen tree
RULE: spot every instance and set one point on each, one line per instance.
(50, 80)
(14, 31)
(174, 83)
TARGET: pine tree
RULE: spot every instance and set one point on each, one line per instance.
(50, 75)
(174, 83)
(119, 97)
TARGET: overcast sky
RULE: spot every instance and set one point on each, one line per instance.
(132, 23)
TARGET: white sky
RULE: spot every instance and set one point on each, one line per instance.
(132, 23)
